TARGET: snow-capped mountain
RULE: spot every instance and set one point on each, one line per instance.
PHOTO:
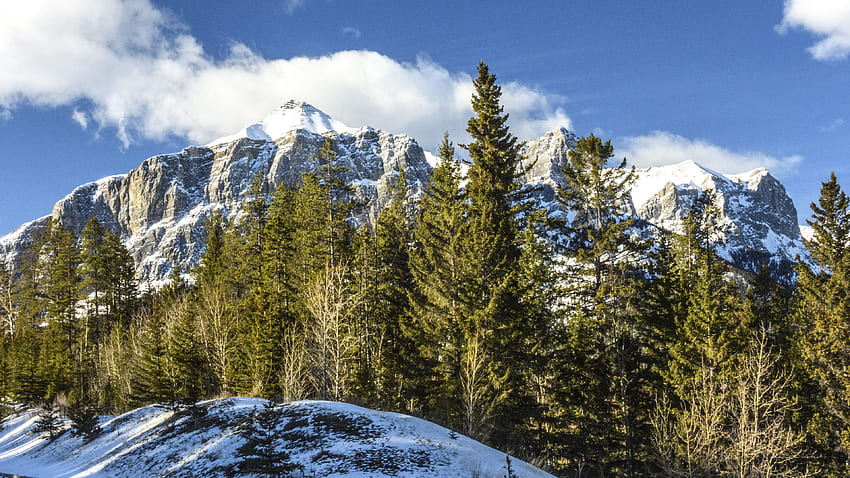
(312, 438)
(160, 207)
(758, 218)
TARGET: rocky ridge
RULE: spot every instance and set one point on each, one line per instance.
(758, 219)
(160, 207)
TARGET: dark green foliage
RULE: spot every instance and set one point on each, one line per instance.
(49, 424)
(823, 317)
(608, 347)
(263, 453)
(559, 342)
(84, 422)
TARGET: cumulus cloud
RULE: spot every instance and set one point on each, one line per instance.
(661, 148)
(827, 19)
(126, 64)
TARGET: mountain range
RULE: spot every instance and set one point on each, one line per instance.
(159, 208)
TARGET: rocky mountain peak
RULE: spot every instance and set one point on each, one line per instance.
(159, 208)
(292, 116)
(758, 219)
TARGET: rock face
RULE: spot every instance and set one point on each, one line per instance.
(758, 220)
(160, 207)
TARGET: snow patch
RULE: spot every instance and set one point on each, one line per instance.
(292, 116)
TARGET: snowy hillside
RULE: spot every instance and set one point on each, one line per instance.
(321, 439)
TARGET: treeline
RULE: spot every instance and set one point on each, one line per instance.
(568, 340)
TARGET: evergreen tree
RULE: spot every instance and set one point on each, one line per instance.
(385, 354)
(823, 311)
(59, 288)
(498, 322)
(710, 336)
(440, 308)
(608, 375)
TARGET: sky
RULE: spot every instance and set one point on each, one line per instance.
(90, 88)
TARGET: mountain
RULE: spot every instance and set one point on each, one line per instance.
(757, 219)
(160, 207)
(314, 438)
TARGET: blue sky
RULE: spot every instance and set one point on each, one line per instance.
(90, 88)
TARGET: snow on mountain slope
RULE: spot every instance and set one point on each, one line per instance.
(293, 115)
(758, 218)
(159, 208)
(327, 439)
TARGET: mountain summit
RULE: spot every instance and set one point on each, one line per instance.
(292, 116)
(160, 208)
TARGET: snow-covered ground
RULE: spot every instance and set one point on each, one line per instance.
(322, 439)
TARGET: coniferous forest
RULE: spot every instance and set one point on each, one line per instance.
(566, 340)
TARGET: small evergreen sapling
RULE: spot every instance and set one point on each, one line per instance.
(84, 422)
(49, 425)
(262, 454)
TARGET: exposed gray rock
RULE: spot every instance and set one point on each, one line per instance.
(160, 207)
(758, 218)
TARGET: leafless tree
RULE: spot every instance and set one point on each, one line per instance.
(218, 331)
(732, 426)
(330, 300)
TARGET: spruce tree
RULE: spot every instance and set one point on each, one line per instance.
(386, 355)
(440, 308)
(497, 332)
(823, 318)
(608, 365)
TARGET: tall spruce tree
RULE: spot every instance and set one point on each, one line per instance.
(606, 368)
(440, 308)
(823, 318)
(497, 334)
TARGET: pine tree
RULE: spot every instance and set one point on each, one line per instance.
(823, 311)
(263, 454)
(710, 335)
(438, 272)
(59, 286)
(385, 354)
(609, 370)
(491, 255)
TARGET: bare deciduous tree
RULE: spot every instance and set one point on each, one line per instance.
(218, 331)
(330, 301)
(292, 374)
(732, 426)
(474, 387)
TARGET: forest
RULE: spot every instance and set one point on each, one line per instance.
(565, 339)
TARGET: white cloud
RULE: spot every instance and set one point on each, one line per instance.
(136, 70)
(661, 148)
(5, 115)
(827, 19)
(81, 118)
(351, 31)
